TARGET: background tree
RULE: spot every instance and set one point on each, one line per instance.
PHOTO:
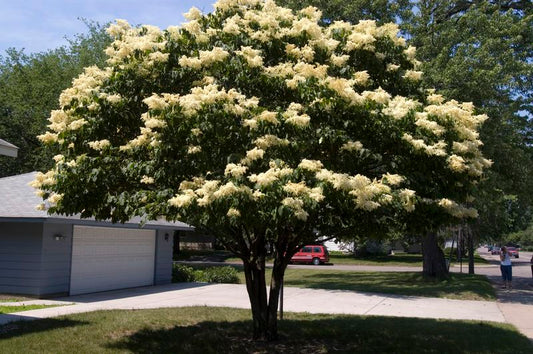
(478, 51)
(264, 128)
(30, 85)
(481, 51)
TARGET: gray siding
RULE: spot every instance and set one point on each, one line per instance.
(163, 257)
(20, 258)
(56, 259)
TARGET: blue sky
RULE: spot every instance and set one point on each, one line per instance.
(38, 25)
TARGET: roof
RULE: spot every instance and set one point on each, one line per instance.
(8, 149)
(19, 202)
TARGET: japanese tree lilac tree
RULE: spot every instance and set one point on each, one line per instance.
(264, 128)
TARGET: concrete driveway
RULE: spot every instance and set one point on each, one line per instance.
(295, 300)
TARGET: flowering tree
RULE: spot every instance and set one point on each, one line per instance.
(264, 128)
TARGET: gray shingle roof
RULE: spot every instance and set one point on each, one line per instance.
(8, 149)
(18, 200)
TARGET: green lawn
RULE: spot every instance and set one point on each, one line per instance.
(457, 286)
(11, 309)
(224, 330)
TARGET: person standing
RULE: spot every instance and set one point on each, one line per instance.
(507, 268)
(531, 261)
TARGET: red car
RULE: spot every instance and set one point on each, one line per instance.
(314, 254)
(513, 252)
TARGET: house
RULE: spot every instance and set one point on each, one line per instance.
(45, 255)
(8, 149)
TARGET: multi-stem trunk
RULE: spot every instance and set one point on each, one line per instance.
(278, 271)
(434, 264)
(256, 286)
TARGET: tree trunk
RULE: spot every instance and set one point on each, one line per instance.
(256, 287)
(434, 262)
(276, 281)
(470, 250)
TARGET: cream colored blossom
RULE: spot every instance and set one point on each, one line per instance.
(379, 96)
(147, 180)
(392, 67)
(208, 57)
(99, 145)
(399, 107)
(339, 60)
(235, 170)
(55, 198)
(296, 188)
(252, 56)
(193, 14)
(361, 77)
(423, 122)
(437, 149)
(77, 124)
(310, 165)
(456, 163)
(192, 149)
(412, 75)
(252, 155)
(268, 116)
(352, 146)
(233, 213)
(182, 200)
(189, 62)
(114, 98)
(407, 197)
(269, 140)
(392, 179)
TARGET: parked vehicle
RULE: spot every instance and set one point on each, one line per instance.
(495, 250)
(513, 252)
(314, 254)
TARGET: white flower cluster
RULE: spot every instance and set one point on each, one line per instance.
(129, 41)
(99, 145)
(293, 117)
(457, 210)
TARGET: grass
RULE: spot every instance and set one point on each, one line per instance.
(14, 298)
(457, 286)
(398, 259)
(11, 309)
(224, 330)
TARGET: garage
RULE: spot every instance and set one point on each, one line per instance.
(106, 258)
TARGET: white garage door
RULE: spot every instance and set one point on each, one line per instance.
(105, 258)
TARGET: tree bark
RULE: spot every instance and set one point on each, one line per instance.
(434, 265)
(256, 287)
(470, 250)
(278, 272)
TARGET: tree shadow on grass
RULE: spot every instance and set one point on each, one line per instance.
(408, 283)
(332, 334)
(21, 328)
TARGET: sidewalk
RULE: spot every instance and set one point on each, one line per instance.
(295, 300)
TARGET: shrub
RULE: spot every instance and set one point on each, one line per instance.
(226, 274)
(182, 273)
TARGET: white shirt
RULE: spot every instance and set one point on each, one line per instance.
(506, 259)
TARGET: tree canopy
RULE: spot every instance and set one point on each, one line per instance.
(258, 124)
